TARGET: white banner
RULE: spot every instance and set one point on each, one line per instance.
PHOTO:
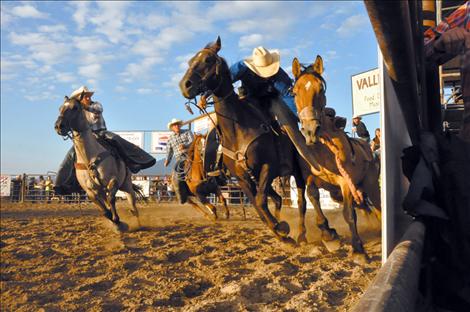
(325, 199)
(5, 185)
(203, 124)
(366, 92)
(159, 141)
(144, 184)
(136, 138)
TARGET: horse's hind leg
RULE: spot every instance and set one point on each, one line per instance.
(349, 214)
(371, 187)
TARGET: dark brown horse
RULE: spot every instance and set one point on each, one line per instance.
(249, 146)
(345, 164)
(199, 184)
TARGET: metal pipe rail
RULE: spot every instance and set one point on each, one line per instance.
(396, 284)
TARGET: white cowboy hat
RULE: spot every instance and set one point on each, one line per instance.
(78, 92)
(174, 121)
(357, 116)
(263, 62)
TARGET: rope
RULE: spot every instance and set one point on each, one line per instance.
(357, 194)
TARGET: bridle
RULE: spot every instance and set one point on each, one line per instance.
(69, 134)
(309, 112)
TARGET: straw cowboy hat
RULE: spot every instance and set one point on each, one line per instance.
(174, 121)
(263, 62)
(78, 92)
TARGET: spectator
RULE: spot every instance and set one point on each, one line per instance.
(360, 129)
(31, 192)
(41, 188)
(16, 189)
(375, 144)
(48, 187)
(451, 37)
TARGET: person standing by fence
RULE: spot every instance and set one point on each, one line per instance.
(178, 145)
(48, 188)
(360, 129)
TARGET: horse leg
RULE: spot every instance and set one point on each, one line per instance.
(349, 214)
(371, 187)
(277, 201)
(280, 229)
(98, 202)
(112, 188)
(302, 206)
(193, 201)
(128, 188)
(224, 202)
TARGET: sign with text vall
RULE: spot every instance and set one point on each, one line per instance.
(366, 92)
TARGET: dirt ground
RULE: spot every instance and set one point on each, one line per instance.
(62, 258)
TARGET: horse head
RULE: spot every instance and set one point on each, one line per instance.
(309, 91)
(71, 117)
(204, 72)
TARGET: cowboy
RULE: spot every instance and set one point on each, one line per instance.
(360, 129)
(177, 146)
(134, 157)
(264, 81)
(262, 78)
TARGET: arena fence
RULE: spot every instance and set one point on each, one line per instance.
(29, 188)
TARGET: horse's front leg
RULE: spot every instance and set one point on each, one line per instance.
(223, 201)
(111, 190)
(277, 201)
(280, 229)
(349, 214)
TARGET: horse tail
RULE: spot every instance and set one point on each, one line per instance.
(139, 192)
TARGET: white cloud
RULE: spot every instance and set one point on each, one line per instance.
(5, 18)
(90, 71)
(81, 9)
(109, 20)
(151, 21)
(65, 77)
(42, 47)
(27, 11)
(90, 43)
(53, 28)
(250, 41)
(140, 71)
(145, 91)
(352, 25)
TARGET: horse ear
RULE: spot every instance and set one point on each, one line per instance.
(217, 45)
(318, 65)
(296, 68)
(66, 98)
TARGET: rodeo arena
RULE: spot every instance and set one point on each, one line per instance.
(252, 205)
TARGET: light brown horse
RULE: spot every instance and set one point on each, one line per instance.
(345, 163)
(99, 173)
(199, 184)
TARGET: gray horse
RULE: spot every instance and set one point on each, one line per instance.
(99, 173)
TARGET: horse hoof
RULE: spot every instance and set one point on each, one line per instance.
(302, 239)
(282, 228)
(289, 241)
(332, 245)
(360, 258)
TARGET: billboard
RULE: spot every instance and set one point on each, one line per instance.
(204, 123)
(5, 185)
(326, 202)
(136, 138)
(159, 141)
(144, 184)
(366, 92)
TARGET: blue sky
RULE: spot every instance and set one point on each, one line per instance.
(134, 53)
